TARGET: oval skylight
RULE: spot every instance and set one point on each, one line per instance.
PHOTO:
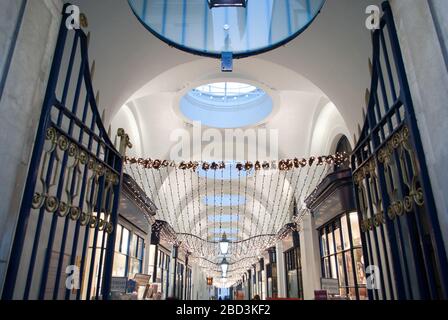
(194, 26)
(226, 105)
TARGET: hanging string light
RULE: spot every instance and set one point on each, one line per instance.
(282, 165)
(181, 193)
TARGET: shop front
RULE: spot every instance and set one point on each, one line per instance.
(130, 268)
(293, 266)
(271, 274)
(336, 221)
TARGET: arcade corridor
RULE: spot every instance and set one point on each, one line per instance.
(223, 150)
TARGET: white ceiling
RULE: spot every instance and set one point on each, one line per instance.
(332, 54)
(317, 82)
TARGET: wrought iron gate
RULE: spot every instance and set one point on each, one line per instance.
(69, 208)
(401, 234)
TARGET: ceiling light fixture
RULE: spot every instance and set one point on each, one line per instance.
(224, 266)
(224, 244)
(227, 3)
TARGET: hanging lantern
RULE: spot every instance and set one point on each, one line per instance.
(224, 266)
(224, 244)
(209, 281)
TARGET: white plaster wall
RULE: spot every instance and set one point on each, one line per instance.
(200, 289)
(428, 79)
(9, 16)
(310, 257)
(20, 107)
(281, 273)
(439, 10)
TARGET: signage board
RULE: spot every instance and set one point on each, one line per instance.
(320, 295)
(142, 279)
(118, 284)
(330, 285)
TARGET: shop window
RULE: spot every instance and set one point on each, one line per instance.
(294, 285)
(163, 267)
(137, 253)
(129, 253)
(180, 281)
(342, 256)
(343, 147)
(121, 257)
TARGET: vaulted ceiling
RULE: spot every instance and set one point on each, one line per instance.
(317, 83)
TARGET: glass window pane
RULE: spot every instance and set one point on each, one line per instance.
(345, 235)
(360, 269)
(326, 268)
(334, 273)
(324, 244)
(141, 245)
(356, 236)
(119, 268)
(133, 246)
(330, 242)
(337, 238)
(341, 270)
(363, 293)
(118, 238)
(352, 293)
(125, 242)
(136, 267)
(292, 284)
(349, 264)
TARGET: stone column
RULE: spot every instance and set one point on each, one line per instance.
(173, 272)
(187, 255)
(310, 255)
(422, 31)
(27, 44)
(147, 252)
(281, 271)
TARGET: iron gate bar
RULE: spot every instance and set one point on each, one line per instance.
(378, 124)
(403, 238)
(22, 223)
(441, 258)
(104, 182)
(60, 188)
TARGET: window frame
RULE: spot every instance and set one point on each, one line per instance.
(336, 225)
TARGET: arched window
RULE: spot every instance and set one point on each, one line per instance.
(343, 146)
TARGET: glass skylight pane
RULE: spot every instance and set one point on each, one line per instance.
(226, 200)
(261, 26)
(223, 218)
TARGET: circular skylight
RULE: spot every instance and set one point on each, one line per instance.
(227, 93)
(226, 105)
(194, 26)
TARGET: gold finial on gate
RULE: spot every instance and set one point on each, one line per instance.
(125, 141)
(83, 21)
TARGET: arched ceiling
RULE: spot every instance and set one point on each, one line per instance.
(317, 83)
(332, 54)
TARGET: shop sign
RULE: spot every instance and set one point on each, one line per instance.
(142, 279)
(118, 284)
(330, 285)
(320, 295)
